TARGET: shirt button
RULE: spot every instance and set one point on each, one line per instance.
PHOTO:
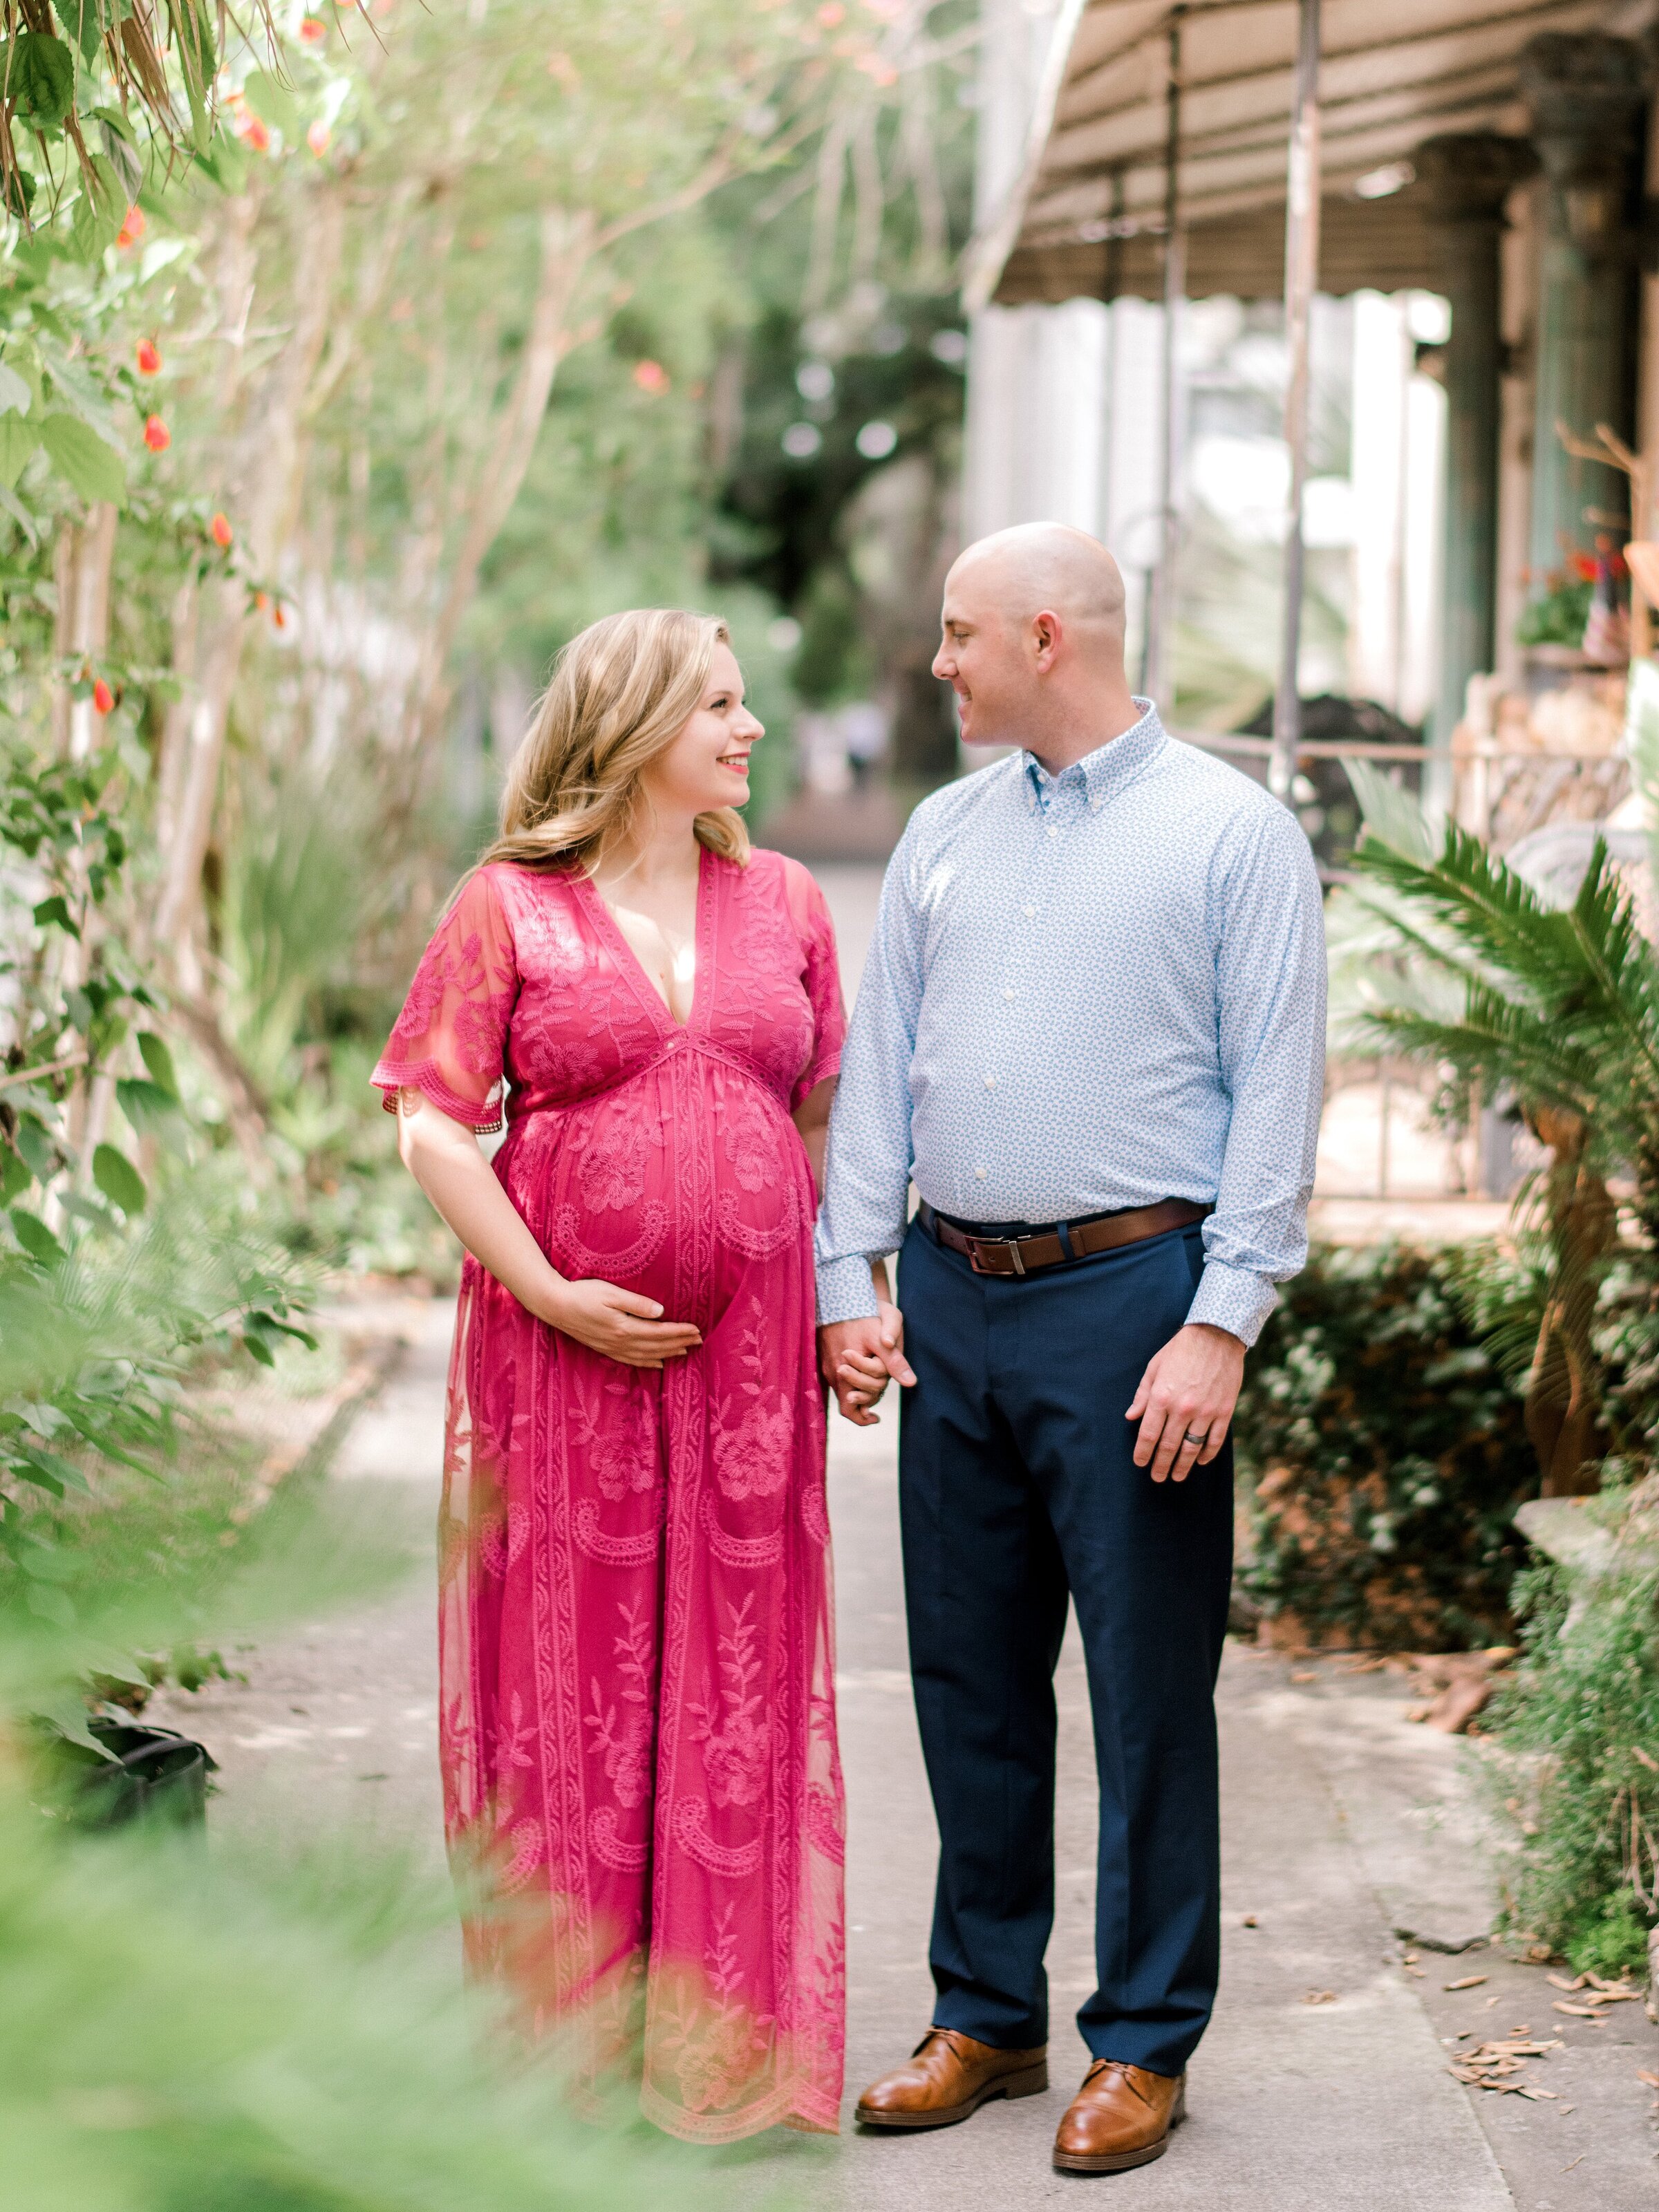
(1028, 911)
(1007, 995)
(990, 1083)
(979, 1174)
(1053, 832)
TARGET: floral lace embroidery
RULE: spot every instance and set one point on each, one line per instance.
(619, 1441)
(822, 1826)
(750, 1137)
(691, 1831)
(625, 1740)
(614, 1551)
(735, 1734)
(495, 1556)
(621, 1856)
(758, 1244)
(751, 1450)
(573, 1744)
(739, 1551)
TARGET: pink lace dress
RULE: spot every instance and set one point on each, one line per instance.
(638, 1727)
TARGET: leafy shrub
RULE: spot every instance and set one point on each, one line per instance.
(1576, 1769)
(1389, 1454)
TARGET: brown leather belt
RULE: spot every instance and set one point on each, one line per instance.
(1066, 1240)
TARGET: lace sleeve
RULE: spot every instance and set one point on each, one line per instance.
(821, 979)
(451, 1036)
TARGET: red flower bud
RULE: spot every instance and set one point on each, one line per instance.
(157, 436)
(132, 228)
(222, 531)
(253, 134)
(312, 30)
(102, 697)
(651, 376)
(318, 137)
(149, 357)
(279, 616)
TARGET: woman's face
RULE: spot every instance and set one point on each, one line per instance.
(708, 764)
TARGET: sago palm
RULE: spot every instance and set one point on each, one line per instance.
(1559, 1005)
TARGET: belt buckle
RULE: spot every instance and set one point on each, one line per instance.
(1008, 1244)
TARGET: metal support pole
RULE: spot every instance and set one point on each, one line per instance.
(1301, 274)
(1160, 620)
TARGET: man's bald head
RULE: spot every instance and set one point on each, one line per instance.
(1045, 567)
(1032, 642)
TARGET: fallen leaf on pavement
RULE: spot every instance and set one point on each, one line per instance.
(1320, 1996)
(1469, 1982)
(1642, 2074)
(1578, 2012)
(1249, 1921)
(1560, 1981)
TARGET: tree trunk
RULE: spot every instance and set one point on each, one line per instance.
(1564, 1387)
(566, 244)
(269, 483)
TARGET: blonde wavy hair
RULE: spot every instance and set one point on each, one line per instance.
(620, 694)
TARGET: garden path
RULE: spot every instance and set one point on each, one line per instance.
(1342, 1822)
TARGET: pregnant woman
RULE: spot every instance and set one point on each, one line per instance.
(642, 1791)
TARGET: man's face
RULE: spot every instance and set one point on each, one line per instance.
(982, 657)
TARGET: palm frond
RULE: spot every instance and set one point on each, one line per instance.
(1499, 1042)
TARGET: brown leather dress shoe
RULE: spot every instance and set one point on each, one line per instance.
(1121, 2116)
(948, 2077)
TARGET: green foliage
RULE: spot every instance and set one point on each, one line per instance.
(186, 2030)
(1578, 1738)
(1558, 615)
(1388, 1456)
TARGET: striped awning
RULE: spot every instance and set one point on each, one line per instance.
(1086, 218)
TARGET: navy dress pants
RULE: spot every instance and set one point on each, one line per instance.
(1017, 1489)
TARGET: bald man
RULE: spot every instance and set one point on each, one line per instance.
(1091, 1032)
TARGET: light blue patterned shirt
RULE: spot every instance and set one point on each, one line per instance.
(1089, 992)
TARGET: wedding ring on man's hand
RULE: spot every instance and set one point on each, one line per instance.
(1198, 1436)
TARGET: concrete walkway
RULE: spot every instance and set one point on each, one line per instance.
(1342, 1823)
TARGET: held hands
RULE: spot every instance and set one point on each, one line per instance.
(620, 1323)
(1186, 1401)
(857, 1358)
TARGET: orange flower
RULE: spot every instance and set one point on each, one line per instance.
(651, 376)
(1584, 567)
(102, 697)
(157, 436)
(253, 134)
(132, 228)
(318, 137)
(313, 30)
(222, 532)
(278, 615)
(149, 357)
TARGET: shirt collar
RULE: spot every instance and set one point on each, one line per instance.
(1105, 772)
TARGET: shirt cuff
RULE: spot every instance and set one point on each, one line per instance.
(1234, 1299)
(845, 1290)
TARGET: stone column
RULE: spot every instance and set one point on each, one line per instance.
(1465, 181)
(1586, 92)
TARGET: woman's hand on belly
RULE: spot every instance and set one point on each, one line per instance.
(622, 1324)
(443, 1156)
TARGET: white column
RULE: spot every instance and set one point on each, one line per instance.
(1381, 358)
